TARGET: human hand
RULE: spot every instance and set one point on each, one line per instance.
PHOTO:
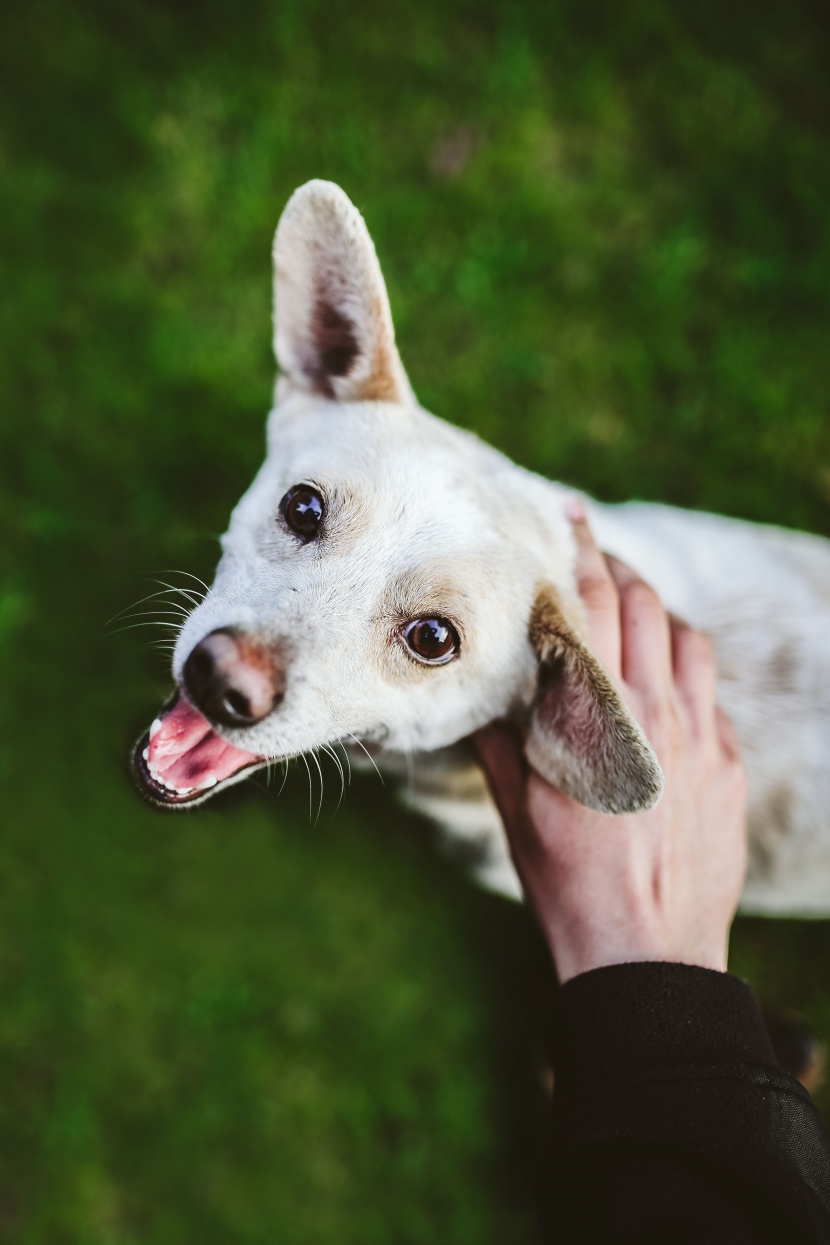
(657, 885)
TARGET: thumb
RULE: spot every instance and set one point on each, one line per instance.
(505, 768)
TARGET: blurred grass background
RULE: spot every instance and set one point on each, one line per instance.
(605, 232)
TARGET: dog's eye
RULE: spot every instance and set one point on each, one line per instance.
(433, 640)
(302, 508)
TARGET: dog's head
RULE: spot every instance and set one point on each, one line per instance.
(386, 579)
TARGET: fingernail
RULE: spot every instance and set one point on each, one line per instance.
(575, 510)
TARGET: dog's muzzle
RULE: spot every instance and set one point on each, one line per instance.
(229, 681)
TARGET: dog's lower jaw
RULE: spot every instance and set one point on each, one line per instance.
(182, 760)
(163, 797)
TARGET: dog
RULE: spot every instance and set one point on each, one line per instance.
(391, 583)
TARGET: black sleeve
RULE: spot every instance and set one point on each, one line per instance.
(671, 1121)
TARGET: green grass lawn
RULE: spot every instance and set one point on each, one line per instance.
(605, 233)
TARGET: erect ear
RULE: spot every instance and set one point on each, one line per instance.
(333, 331)
(583, 738)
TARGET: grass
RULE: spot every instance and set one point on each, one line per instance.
(605, 234)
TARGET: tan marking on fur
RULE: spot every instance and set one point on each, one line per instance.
(348, 521)
(783, 669)
(264, 657)
(548, 628)
(727, 672)
(380, 387)
(465, 784)
(420, 593)
(768, 826)
(383, 382)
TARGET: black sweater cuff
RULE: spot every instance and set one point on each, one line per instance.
(634, 1016)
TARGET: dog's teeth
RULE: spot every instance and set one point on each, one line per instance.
(155, 728)
(161, 780)
(210, 781)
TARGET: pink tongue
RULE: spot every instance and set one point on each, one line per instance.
(186, 751)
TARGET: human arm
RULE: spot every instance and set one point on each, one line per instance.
(671, 1120)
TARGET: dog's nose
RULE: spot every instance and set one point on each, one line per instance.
(233, 680)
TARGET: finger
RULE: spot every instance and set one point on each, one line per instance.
(597, 591)
(645, 634)
(695, 675)
(505, 769)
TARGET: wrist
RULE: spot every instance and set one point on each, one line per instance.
(577, 949)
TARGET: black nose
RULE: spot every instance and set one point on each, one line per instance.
(233, 680)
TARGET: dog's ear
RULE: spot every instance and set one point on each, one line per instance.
(583, 738)
(333, 332)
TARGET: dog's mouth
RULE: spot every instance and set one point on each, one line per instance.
(182, 759)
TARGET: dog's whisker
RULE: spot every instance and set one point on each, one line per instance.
(369, 755)
(158, 614)
(132, 627)
(190, 575)
(316, 761)
(308, 773)
(345, 771)
(158, 645)
(141, 601)
(346, 758)
(180, 609)
(185, 592)
(173, 610)
(329, 751)
(284, 765)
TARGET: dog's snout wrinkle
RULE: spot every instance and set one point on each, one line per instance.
(233, 680)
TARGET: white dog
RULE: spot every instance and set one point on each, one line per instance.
(390, 580)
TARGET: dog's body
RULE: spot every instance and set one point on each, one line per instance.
(413, 584)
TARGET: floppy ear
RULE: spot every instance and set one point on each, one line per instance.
(333, 331)
(583, 738)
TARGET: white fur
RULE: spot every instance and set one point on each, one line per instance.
(423, 518)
